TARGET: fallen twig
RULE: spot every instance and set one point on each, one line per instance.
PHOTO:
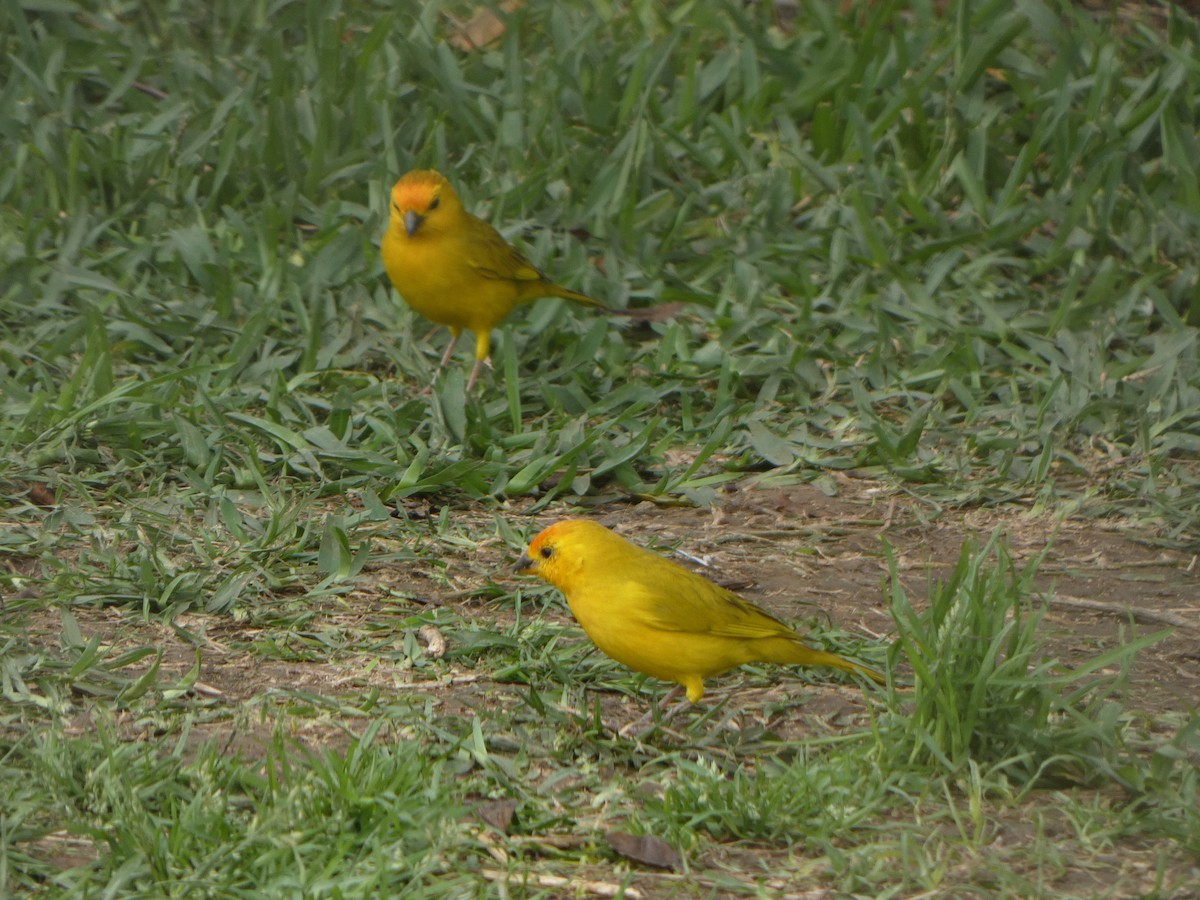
(1124, 611)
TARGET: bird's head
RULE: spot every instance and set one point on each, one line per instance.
(563, 553)
(422, 200)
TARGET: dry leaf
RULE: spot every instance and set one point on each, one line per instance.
(40, 495)
(497, 813)
(645, 848)
(482, 28)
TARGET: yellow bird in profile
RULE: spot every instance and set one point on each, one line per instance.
(454, 268)
(659, 618)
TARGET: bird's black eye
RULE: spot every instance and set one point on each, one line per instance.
(547, 552)
(433, 204)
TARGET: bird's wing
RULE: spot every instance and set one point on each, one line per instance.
(491, 256)
(679, 600)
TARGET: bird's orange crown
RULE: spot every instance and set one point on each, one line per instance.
(561, 551)
(553, 535)
(421, 191)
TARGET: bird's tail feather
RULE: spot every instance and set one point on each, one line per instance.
(568, 294)
(660, 313)
(796, 653)
(832, 659)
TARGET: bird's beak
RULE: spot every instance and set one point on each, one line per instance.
(412, 222)
(524, 565)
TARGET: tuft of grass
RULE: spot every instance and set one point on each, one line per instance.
(984, 695)
(178, 820)
(821, 795)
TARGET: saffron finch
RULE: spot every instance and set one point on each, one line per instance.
(454, 268)
(659, 618)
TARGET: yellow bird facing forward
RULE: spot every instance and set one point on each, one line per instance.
(454, 268)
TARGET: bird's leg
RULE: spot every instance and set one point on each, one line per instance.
(437, 373)
(483, 355)
(670, 696)
(454, 333)
(479, 364)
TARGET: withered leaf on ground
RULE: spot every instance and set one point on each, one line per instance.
(482, 28)
(497, 813)
(40, 494)
(645, 848)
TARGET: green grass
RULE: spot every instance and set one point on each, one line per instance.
(983, 693)
(951, 252)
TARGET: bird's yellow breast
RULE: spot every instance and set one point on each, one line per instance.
(433, 273)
